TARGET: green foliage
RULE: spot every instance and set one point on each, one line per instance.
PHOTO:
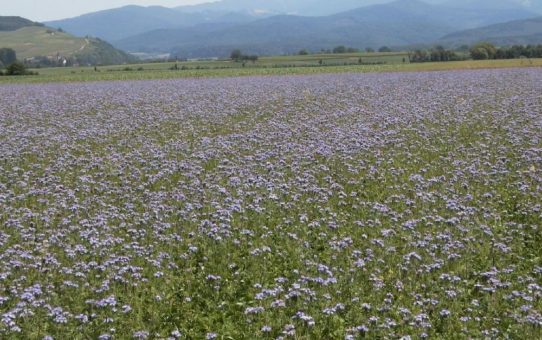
(483, 51)
(344, 49)
(17, 69)
(7, 56)
(478, 53)
(339, 49)
(236, 55)
(12, 23)
(486, 51)
(303, 52)
(436, 54)
(252, 58)
(384, 49)
(519, 51)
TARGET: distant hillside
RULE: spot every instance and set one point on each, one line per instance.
(15, 23)
(34, 41)
(518, 32)
(292, 7)
(403, 22)
(531, 5)
(123, 22)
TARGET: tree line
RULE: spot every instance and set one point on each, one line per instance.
(479, 51)
(487, 51)
(237, 55)
(435, 54)
(341, 49)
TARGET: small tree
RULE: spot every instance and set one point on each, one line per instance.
(236, 55)
(16, 69)
(303, 52)
(483, 51)
(339, 49)
(419, 56)
(384, 49)
(478, 53)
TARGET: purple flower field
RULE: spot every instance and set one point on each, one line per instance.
(296, 207)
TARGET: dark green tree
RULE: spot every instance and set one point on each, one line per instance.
(419, 56)
(339, 49)
(7, 56)
(479, 53)
(236, 55)
(16, 69)
(483, 51)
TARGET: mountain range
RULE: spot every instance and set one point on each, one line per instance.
(399, 23)
(282, 26)
(123, 22)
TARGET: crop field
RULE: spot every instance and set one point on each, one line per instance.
(325, 206)
(298, 65)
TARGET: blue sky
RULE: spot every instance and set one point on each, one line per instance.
(43, 10)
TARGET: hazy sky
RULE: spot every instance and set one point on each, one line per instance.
(43, 10)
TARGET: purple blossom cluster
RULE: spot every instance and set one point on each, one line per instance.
(327, 206)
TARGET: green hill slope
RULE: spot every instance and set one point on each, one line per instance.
(34, 41)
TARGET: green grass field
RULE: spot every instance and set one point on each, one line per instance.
(265, 66)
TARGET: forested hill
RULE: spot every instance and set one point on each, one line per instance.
(11, 23)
